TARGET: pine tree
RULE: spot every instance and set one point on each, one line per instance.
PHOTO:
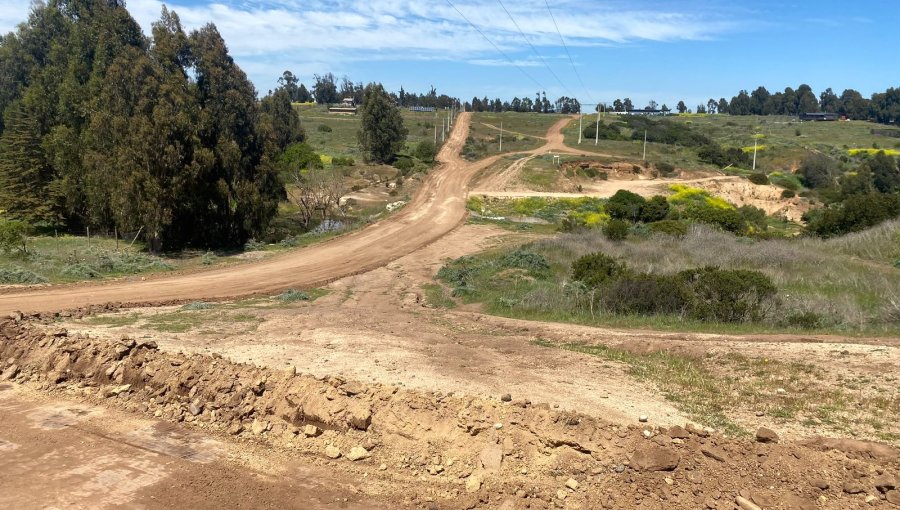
(382, 134)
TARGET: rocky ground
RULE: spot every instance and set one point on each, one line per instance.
(438, 450)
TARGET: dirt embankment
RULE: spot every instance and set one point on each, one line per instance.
(445, 451)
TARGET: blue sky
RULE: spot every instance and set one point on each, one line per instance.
(642, 49)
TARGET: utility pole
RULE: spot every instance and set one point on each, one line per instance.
(435, 134)
(597, 132)
(645, 145)
(580, 117)
(755, 140)
(501, 136)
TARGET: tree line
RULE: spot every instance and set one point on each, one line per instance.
(104, 127)
(540, 104)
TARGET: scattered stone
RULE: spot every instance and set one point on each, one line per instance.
(781, 391)
(620, 468)
(668, 480)
(885, 483)
(572, 484)
(746, 504)
(853, 487)
(893, 497)
(358, 453)
(819, 483)
(195, 409)
(760, 414)
(794, 502)
(310, 430)
(234, 429)
(332, 452)
(655, 458)
(764, 435)
(382, 467)
(506, 398)
(498, 426)
(647, 434)
(10, 372)
(561, 494)
(643, 418)
(259, 426)
(713, 453)
(116, 390)
(473, 484)
(678, 432)
(871, 499)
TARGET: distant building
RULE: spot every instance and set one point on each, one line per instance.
(421, 108)
(347, 106)
(819, 116)
(641, 112)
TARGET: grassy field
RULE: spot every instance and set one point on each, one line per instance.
(342, 139)
(786, 140)
(851, 284)
(521, 132)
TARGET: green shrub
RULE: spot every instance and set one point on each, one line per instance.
(646, 294)
(655, 209)
(754, 216)
(728, 295)
(13, 235)
(855, 213)
(616, 230)
(254, 245)
(818, 171)
(426, 151)
(804, 320)
(524, 259)
(18, 276)
(323, 128)
(726, 218)
(625, 205)
(80, 271)
(342, 161)
(675, 228)
(291, 295)
(759, 178)
(404, 164)
(665, 169)
(209, 258)
(788, 193)
(595, 269)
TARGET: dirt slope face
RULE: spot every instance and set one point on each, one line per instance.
(437, 208)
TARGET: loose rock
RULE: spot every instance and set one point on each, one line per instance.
(764, 435)
(332, 452)
(358, 453)
(655, 458)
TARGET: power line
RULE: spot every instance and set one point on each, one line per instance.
(522, 33)
(495, 46)
(561, 38)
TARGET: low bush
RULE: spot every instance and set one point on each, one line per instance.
(728, 295)
(616, 230)
(291, 295)
(758, 178)
(665, 169)
(524, 259)
(675, 228)
(645, 294)
(404, 164)
(19, 276)
(80, 271)
(788, 193)
(198, 305)
(595, 269)
(342, 161)
(323, 128)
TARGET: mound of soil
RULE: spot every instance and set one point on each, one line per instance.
(452, 451)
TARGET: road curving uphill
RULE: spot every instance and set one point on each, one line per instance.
(436, 209)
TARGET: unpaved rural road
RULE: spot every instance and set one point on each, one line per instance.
(436, 209)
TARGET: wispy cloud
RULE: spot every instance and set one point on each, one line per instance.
(279, 34)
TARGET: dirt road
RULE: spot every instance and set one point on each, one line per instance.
(57, 453)
(437, 208)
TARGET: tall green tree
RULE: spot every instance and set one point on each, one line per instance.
(382, 134)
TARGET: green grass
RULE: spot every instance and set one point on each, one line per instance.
(851, 282)
(784, 150)
(113, 321)
(521, 132)
(438, 296)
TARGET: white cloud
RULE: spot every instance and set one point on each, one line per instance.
(266, 35)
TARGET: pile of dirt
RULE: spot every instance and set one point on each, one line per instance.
(447, 451)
